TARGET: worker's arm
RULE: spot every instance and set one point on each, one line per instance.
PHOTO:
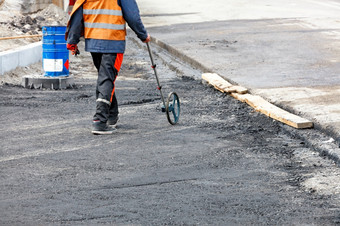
(76, 27)
(132, 17)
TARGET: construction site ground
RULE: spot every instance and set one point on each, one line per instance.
(224, 163)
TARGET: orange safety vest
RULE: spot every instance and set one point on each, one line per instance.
(103, 19)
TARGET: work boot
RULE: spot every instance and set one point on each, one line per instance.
(112, 121)
(101, 128)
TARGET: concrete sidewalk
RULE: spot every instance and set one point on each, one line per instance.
(292, 62)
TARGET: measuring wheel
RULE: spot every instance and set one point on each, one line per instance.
(172, 108)
(172, 105)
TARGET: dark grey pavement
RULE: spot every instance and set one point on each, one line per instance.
(223, 164)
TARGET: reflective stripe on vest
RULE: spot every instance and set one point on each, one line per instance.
(103, 11)
(104, 20)
(105, 26)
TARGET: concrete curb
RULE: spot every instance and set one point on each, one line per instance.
(20, 57)
(181, 55)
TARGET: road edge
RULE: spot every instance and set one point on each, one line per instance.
(320, 144)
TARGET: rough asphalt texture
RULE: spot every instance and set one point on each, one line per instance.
(223, 164)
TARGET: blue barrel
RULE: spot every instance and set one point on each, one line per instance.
(55, 54)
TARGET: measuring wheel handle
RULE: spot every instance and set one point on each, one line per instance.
(173, 108)
(172, 105)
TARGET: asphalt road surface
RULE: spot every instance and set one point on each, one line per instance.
(286, 51)
(223, 164)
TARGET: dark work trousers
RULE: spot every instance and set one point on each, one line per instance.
(108, 66)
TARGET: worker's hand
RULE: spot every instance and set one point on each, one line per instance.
(147, 39)
(73, 48)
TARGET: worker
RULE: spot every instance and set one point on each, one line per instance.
(103, 24)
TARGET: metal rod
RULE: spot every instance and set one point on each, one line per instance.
(18, 37)
(155, 70)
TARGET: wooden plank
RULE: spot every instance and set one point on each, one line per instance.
(18, 37)
(240, 89)
(257, 102)
(240, 97)
(222, 85)
(263, 106)
(214, 78)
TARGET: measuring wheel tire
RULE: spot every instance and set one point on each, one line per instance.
(172, 108)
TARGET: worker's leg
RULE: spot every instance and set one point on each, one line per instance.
(97, 59)
(107, 73)
(113, 113)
